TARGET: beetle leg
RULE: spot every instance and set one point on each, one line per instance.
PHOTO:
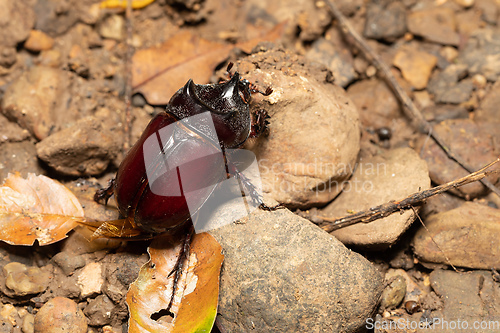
(250, 188)
(105, 193)
(259, 123)
(177, 270)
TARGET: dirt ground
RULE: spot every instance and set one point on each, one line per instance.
(65, 69)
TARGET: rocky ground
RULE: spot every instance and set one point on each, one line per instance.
(338, 143)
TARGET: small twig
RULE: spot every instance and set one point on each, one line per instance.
(414, 199)
(128, 78)
(432, 239)
(409, 108)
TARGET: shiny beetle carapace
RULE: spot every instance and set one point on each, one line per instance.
(145, 212)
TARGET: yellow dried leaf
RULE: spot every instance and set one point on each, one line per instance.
(36, 208)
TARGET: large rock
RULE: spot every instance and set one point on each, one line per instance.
(86, 148)
(467, 236)
(283, 274)
(392, 175)
(313, 133)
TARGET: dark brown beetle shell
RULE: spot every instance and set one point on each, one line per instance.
(228, 105)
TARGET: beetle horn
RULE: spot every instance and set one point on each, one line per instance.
(188, 88)
(231, 90)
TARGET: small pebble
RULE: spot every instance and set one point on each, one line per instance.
(138, 100)
(411, 307)
(24, 280)
(479, 81)
(394, 293)
(449, 53)
(465, 3)
(28, 323)
(90, 279)
(59, 315)
(38, 41)
(113, 27)
(384, 133)
(68, 262)
(371, 71)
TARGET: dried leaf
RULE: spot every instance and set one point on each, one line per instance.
(195, 302)
(119, 229)
(136, 4)
(36, 208)
(158, 72)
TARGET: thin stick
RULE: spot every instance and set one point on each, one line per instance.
(128, 77)
(432, 239)
(409, 108)
(414, 199)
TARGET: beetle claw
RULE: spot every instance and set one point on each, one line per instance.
(265, 207)
(105, 193)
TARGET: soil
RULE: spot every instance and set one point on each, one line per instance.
(64, 70)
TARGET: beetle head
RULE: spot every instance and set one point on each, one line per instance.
(228, 103)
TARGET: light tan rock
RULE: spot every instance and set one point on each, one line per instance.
(416, 66)
(38, 41)
(436, 24)
(467, 235)
(38, 100)
(90, 279)
(392, 175)
(59, 315)
(313, 135)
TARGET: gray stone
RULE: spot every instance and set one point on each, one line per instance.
(99, 310)
(283, 274)
(385, 22)
(68, 262)
(481, 53)
(447, 87)
(394, 293)
(18, 157)
(337, 60)
(469, 297)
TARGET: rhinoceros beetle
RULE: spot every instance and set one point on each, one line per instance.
(145, 213)
(228, 104)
